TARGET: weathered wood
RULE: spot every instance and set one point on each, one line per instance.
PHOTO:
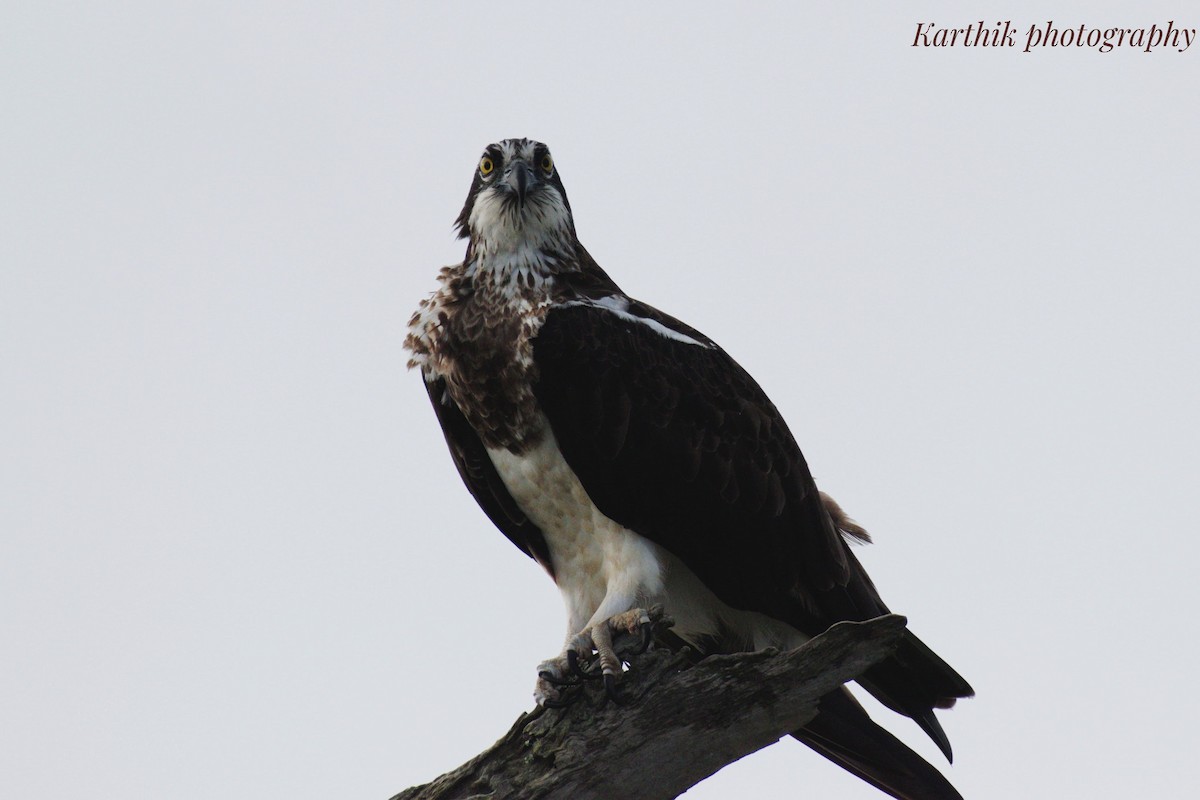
(679, 722)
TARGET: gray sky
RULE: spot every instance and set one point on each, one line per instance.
(235, 558)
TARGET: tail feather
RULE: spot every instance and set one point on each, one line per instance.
(915, 680)
(846, 735)
(929, 723)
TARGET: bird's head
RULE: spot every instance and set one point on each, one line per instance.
(517, 202)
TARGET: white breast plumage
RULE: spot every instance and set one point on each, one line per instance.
(602, 568)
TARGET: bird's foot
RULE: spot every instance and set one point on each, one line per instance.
(597, 652)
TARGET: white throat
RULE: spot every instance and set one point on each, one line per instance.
(499, 226)
(518, 247)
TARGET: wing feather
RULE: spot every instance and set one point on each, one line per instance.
(480, 476)
(673, 439)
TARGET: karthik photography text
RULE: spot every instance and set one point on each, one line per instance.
(1148, 39)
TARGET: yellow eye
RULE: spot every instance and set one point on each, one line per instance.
(547, 164)
(486, 166)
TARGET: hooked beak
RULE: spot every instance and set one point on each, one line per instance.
(517, 177)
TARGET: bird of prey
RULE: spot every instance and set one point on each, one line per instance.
(639, 464)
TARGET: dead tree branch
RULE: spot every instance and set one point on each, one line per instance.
(680, 722)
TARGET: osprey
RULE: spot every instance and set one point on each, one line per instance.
(640, 465)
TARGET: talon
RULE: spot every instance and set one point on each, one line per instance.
(610, 689)
(573, 664)
(647, 635)
(555, 680)
(576, 669)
